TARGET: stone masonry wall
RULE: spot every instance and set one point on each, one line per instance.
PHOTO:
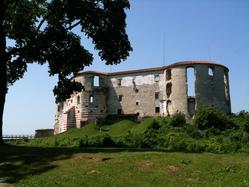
(151, 92)
(137, 92)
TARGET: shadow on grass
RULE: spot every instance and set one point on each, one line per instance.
(18, 162)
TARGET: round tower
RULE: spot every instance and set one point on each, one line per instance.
(190, 84)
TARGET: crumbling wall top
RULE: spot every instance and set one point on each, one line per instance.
(181, 63)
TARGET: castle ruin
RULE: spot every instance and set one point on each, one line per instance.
(160, 91)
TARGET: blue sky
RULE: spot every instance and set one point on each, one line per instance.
(216, 30)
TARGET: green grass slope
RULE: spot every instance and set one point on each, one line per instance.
(74, 137)
(71, 167)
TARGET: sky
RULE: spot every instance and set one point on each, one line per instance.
(161, 32)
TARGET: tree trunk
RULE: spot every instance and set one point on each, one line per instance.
(3, 68)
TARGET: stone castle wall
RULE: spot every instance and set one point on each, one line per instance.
(149, 92)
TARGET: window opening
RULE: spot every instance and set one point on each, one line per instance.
(168, 74)
(91, 99)
(156, 77)
(226, 87)
(168, 108)
(78, 99)
(157, 109)
(191, 82)
(119, 82)
(211, 71)
(96, 81)
(120, 98)
(119, 111)
(168, 89)
(156, 95)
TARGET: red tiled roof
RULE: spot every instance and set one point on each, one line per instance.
(182, 63)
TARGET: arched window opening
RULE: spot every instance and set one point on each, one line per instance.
(91, 99)
(96, 81)
(191, 82)
(169, 108)
(169, 89)
(168, 74)
(211, 71)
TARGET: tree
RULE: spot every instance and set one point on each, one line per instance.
(42, 32)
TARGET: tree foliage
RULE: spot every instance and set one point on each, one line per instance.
(43, 31)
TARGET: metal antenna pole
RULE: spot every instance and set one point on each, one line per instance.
(164, 49)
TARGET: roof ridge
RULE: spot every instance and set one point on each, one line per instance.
(180, 63)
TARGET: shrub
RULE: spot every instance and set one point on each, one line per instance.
(195, 146)
(245, 138)
(177, 120)
(208, 117)
(108, 141)
(150, 136)
(132, 140)
(242, 120)
(193, 131)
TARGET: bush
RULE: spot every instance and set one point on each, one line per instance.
(195, 146)
(242, 120)
(193, 131)
(177, 120)
(108, 141)
(151, 135)
(208, 117)
(132, 140)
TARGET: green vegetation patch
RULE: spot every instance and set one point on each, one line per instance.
(32, 166)
(211, 131)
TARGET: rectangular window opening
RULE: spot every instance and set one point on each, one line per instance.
(190, 82)
(157, 109)
(120, 98)
(156, 77)
(168, 74)
(119, 111)
(156, 95)
(119, 82)
(96, 81)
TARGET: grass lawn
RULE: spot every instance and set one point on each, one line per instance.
(31, 166)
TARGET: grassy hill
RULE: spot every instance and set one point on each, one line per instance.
(73, 137)
(76, 167)
(230, 134)
(160, 154)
